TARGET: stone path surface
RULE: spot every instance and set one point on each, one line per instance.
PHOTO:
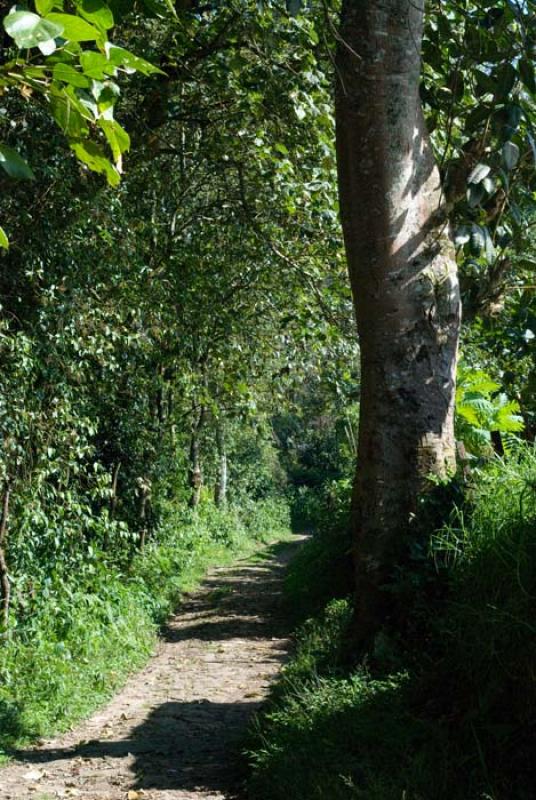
(174, 731)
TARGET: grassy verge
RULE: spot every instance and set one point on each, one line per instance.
(91, 630)
(447, 714)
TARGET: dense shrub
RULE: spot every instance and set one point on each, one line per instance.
(323, 567)
(82, 632)
(449, 717)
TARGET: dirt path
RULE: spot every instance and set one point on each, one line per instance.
(172, 732)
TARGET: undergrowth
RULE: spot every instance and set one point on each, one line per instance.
(81, 634)
(322, 569)
(447, 717)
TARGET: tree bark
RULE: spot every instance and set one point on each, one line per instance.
(220, 490)
(404, 283)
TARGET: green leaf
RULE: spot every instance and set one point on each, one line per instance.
(477, 240)
(68, 117)
(510, 154)
(106, 95)
(74, 28)
(489, 185)
(30, 30)
(15, 166)
(462, 235)
(484, 83)
(94, 157)
(68, 74)
(507, 417)
(48, 47)
(97, 12)
(475, 194)
(468, 414)
(489, 247)
(120, 57)
(44, 7)
(117, 138)
(80, 100)
(480, 172)
(96, 66)
(4, 241)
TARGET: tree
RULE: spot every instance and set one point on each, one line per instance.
(75, 74)
(403, 273)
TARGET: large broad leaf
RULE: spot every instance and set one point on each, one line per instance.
(67, 74)
(510, 154)
(97, 12)
(13, 164)
(117, 138)
(68, 116)
(4, 241)
(74, 28)
(31, 30)
(475, 194)
(120, 57)
(106, 95)
(96, 66)
(94, 157)
(480, 172)
(507, 416)
(81, 101)
(477, 240)
(489, 248)
(44, 7)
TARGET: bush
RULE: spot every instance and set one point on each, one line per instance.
(488, 631)
(323, 567)
(327, 734)
(454, 718)
(77, 639)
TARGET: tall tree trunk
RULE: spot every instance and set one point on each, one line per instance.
(404, 283)
(220, 491)
(4, 574)
(195, 476)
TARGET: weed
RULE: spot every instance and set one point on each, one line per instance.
(71, 650)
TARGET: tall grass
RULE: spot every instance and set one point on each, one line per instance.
(449, 716)
(82, 634)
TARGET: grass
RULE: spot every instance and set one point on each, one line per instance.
(93, 629)
(447, 716)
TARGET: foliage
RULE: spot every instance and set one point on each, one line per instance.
(451, 719)
(481, 411)
(478, 89)
(323, 567)
(75, 74)
(78, 636)
(203, 299)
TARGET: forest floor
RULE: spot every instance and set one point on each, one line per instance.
(174, 731)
